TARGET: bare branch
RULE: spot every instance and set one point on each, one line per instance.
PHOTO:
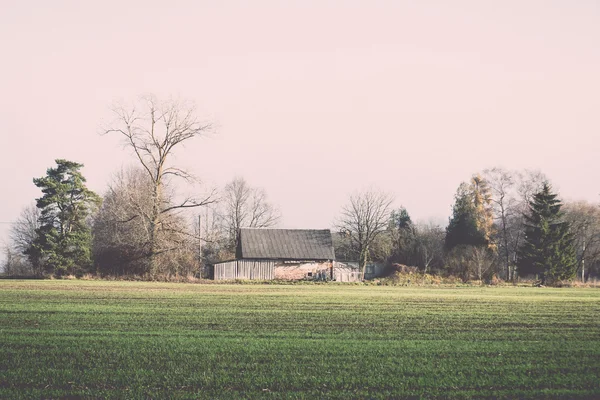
(153, 131)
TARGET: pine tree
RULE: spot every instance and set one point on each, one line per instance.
(63, 240)
(548, 250)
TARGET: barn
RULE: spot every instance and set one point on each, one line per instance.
(288, 254)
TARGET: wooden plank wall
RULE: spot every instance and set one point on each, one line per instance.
(245, 269)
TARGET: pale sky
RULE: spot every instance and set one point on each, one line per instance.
(314, 99)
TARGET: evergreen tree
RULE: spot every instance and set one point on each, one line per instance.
(548, 250)
(401, 232)
(463, 227)
(472, 218)
(63, 240)
(400, 219)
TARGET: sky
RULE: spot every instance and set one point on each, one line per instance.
(312, 99)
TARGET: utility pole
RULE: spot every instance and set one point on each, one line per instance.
(199, 236)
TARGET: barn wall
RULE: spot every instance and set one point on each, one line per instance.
(300, 270)
(268, 269)
(245, 269)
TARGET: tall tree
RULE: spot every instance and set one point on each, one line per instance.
(402, 236)
(463, 227)
(482, 207)
(511, 192)
(363, 220)
(502, 183)
(469, 235)
(472, 219)
(548, 249)
(153, 131)
(63, 240)
(246, 207)
(121, 234)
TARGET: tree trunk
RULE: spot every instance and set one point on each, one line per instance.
(364, 255)
(154, 226)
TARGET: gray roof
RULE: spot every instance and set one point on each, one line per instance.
(286, 244)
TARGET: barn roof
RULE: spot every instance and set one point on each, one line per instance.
(286, 244)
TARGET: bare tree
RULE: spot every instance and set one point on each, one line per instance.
(23, 233)
(502, 184)
(511, 192)
(483, 262)
(429, 240)
(213, 239)
(246, 207)
(153, 130)
(471, 262)
(364, 219)
(122, 233)
(584, 222)
(530, 182)
(15, 263)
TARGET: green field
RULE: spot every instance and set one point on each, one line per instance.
(157, 340)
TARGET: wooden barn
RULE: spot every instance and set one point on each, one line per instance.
(280, 254)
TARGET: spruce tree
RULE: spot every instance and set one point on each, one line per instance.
(548, 249)
(63, 241)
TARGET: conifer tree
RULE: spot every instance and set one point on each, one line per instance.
(548, 250)
(63, 241)
(402, 233)
(464, 226)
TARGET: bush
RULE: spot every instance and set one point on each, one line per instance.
(417, 279)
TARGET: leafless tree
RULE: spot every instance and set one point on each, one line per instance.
(213, 238)
(584, 221)
(471, 262)
(153, 130)
(246, 207)
(22, 234)
(122, 233)
(429, 240)
(15, 263)
(483, 262)
(363, 219)
(511, 192)
(529, 183)
(502, 184)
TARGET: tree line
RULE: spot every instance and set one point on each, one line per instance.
(504, 224)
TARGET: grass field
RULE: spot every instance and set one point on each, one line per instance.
(158, 340)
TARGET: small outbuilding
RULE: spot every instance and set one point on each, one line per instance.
(290, 254)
